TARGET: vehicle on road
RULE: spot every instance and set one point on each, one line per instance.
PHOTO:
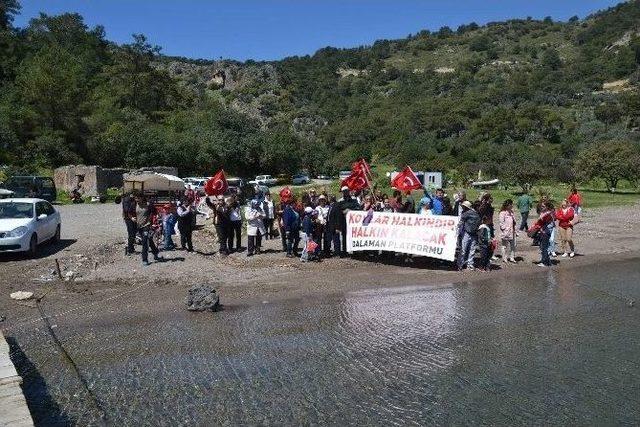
(41, 187)
(266, 180)
(324, 177)
(27, 222)
(300, 179)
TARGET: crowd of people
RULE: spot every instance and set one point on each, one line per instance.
(313, 226)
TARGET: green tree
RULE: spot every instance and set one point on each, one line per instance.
(610, 161)
(551, 59)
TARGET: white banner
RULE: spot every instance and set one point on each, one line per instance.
(433, 236)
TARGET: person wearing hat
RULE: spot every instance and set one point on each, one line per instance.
(322, 230)
(469, 224)
(255, 227)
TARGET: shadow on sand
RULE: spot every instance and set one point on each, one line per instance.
(44, 409)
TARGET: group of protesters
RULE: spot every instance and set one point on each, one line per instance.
(477, 230)
(314, 226)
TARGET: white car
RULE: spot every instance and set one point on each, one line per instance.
(266, 180)
(25, 223)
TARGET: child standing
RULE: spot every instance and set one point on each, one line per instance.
(485, 242)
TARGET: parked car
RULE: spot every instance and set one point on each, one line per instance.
(236, 186)
(344, 174)
(27, 222)
(5, 194)
(300, 179)
(266, 180)
(324, 177)
(41, 187)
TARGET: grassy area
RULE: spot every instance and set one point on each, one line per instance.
(591, 198)
(64, 198)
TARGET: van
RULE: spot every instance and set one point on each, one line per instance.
(41, 187)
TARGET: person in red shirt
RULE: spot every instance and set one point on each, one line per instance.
(575, 200)
(565, 216)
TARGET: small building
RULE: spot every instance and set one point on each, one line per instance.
(94, 180)
(430, 179)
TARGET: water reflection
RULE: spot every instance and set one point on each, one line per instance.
(550, 348)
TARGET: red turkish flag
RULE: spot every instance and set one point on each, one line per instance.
(406, 180)
(356, 181)
(216, 185)
(361, 165)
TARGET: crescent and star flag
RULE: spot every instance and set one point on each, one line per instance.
(216, 185)
(406, 180)
(356, 181)
(285, 194)
(361, 165)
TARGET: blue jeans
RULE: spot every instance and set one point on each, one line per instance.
(168, 232)
(544, 248)
(293, 241)
(468, 250)
(552, 241)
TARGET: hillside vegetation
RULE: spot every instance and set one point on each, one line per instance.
(523, 100)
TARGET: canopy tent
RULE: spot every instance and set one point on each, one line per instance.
(151, 182)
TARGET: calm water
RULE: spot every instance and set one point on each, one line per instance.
(554, 348)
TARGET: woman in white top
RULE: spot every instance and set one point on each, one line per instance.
(235, 215)
(322, 211)
(255, 227)
(269, 209)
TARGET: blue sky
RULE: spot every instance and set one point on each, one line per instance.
(266, 30)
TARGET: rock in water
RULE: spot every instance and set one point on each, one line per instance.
(202, 298)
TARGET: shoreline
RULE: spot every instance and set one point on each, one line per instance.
(96, 269)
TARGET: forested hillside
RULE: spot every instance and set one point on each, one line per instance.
(522, 100)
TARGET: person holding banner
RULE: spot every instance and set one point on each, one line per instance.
(469, 224)
(343, 206)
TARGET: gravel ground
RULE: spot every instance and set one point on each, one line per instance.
(91, 256)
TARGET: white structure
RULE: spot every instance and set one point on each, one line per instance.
(431, 180)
